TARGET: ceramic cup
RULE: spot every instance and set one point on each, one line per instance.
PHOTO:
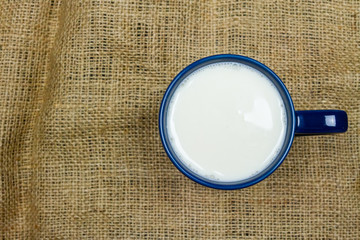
(311, 122)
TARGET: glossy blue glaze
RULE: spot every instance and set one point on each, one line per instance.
(320, 122)
(306, 123)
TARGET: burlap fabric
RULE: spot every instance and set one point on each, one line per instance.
(80, 88)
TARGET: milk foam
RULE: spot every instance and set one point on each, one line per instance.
(226, 121)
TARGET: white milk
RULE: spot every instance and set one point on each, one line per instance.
(226, 121)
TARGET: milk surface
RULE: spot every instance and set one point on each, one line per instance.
(226, 121)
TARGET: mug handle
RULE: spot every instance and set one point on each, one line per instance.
(315, 122)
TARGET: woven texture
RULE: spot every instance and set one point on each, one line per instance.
(80, 88)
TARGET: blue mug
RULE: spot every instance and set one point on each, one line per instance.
(311, 122)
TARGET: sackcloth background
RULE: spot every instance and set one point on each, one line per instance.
(80, 88)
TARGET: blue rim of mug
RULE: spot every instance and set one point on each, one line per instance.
(289, 110)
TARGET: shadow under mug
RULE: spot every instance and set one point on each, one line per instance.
(311, 122)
